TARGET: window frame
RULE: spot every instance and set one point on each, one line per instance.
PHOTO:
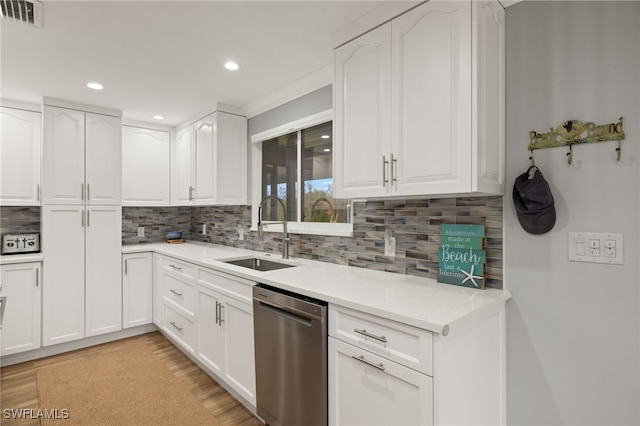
(297, 227)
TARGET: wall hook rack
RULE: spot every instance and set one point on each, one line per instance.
(574, 132)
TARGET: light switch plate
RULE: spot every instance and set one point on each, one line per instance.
(592, 247)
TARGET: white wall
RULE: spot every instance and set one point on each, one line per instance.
(573, 330)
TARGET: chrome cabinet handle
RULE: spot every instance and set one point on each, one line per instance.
(191, 193)
(126, 269)
(177, 268)
(176, 293)
(174, 324)
(373, 336)
(38, 191)
(361, 358)
(385, 181)
(82, 216)
(220, 319)
(82, 191)
(88, 196)
(217, 312)
(393, 170)
(37, 277)
(88, 217)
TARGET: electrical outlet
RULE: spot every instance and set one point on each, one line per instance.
(204, 229)
(240, 233)
(389, 244)
(140, 231)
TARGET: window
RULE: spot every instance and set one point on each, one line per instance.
(297, 168)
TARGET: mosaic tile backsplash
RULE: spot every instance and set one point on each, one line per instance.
(414, 223)
(19, 220)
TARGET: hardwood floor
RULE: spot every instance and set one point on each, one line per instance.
(18, 386)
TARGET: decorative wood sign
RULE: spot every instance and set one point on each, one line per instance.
(461, 258)
(574, 132)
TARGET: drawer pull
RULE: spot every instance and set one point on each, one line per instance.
(361, 358)
(179, 328)
(176, 293)
(364, 333)
(177, 268)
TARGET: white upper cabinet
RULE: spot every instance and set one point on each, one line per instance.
(231, 181)
(82, 157)
(362, 127)
(209, 163)
(63, 156)
(203, 191)
(20, 149)
(420, 104)
(103, 156)
(145, 167)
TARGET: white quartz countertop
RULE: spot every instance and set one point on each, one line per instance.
(9, 259)
(417, 301)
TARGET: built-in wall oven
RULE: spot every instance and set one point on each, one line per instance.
(291, 357)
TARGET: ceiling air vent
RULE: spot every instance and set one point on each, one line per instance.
(26, 11)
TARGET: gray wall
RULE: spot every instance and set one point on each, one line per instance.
(304, 106)
(573, 329)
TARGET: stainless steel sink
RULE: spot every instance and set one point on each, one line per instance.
(258, 264)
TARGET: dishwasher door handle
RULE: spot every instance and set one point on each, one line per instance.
(289, 313)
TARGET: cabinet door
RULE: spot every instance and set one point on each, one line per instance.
(20, 145)
(63, 289)
(362, 128)
(237, 318)
(21, 321)
(145, 167)
(103, 159)
(371, 390)
(488, 106)
(203, 130)
(231, 159)
(137, 281)
(103, 270)
(181, 170)
(63, 156)
(431, 99)
(211, 343)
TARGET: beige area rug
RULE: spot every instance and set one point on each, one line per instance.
(129, 386)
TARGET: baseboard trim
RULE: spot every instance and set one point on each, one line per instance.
(74, 345)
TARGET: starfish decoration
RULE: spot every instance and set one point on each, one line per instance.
(470, 276)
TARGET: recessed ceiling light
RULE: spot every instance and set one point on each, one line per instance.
(325, 136)
(158, 117)
(231, 66)
(327, 149)
(95, 86)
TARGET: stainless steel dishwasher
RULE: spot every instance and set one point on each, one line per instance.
(290, 333)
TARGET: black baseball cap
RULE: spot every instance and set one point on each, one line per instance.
(533, 201)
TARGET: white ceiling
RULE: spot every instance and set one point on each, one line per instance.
(166, 57)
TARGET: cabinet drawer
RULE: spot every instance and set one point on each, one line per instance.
(407, 345)
(365, 389)
(237, 288)
(179, 327)
(180, 293)
(184, 269)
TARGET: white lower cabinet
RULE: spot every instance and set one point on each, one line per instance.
(380, 371)
(209, 314)
(83, 292)
(225, 333)
(21, 285)
(137, 281)
(383, 372)
(365, 389)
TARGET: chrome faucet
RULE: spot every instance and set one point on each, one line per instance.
(285, 237)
